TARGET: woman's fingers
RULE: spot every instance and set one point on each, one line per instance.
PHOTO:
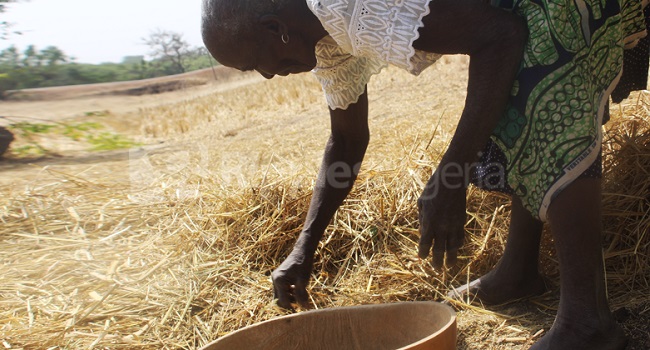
(445, 245)
(452, 257)
(290, 281)
(454, 242)
(301, 295)
(282, 292)
(427, 234)
(426, 238)
(438, 259)
(424, 246)
(286, 293)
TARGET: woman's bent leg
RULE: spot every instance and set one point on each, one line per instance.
(584, 320)
(516, 275)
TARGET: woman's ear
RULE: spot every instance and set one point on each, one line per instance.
(274, 24)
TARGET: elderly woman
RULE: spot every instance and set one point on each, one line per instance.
(540, 75)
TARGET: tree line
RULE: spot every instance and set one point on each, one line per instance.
(33, 67)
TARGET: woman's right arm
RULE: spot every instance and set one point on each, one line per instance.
(344, 153)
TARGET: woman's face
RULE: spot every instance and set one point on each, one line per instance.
(267, 54)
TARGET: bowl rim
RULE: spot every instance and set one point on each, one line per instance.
(444, 328)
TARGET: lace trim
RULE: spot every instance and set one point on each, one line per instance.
(381, 29)
(343, 76)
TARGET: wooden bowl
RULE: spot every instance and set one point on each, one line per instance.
(406, 325)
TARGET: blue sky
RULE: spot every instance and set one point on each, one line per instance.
(95, 31)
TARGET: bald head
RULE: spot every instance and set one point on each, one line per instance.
(273, 37)
(233, 20)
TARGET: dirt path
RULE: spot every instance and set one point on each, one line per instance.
(82, 105)
(59, 110)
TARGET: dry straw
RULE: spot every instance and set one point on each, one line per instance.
(90, 264)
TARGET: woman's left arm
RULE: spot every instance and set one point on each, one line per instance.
(494, 39)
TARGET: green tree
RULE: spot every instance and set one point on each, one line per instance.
(199, 58)
(10, 57)
(169, 50)
(4, 25)
(30, 57)
(136, 66)
(31, 68)
(52, 56)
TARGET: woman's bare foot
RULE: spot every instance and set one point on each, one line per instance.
(580, 334)
(493, 289)
(516, 276)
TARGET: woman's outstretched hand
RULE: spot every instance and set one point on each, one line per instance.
(291, 278)
(442, 221)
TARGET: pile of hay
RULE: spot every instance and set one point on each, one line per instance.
(90, 264)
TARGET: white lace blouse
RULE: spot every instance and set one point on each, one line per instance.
(364, 37)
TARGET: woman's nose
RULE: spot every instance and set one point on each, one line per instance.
(265, 75)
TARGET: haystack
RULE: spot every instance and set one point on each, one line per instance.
(90, 264)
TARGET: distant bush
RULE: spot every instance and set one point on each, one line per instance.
(49, 67)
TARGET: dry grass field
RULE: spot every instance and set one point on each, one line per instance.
(166, 236)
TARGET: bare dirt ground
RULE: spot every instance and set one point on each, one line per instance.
(69, 102)
(108, 105)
